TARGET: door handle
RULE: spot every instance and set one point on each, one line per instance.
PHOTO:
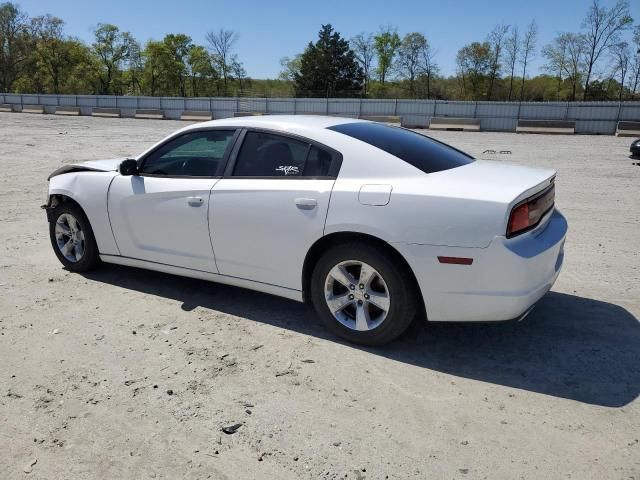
(195, 201)
(306, 203)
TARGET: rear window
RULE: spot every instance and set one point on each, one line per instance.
(422, 152)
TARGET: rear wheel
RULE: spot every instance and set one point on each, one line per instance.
(72, 238)
(362, 295)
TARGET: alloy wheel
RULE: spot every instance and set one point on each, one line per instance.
(69, 237)
(357, 295)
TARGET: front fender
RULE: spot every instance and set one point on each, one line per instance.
(90, 190)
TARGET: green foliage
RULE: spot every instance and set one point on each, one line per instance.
(200, 70)
(290, 68)
(15, 44)
(328, 68)
(474, 64)
(597, 63)
(415, 63)
(111, 48)
(386, 44)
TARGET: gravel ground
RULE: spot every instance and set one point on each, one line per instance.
(124, 373)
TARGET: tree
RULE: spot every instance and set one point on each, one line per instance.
(237, 69)
(410, 59)
(363, 46)
(622, 59)
(429, 66)
(635, 64)
(556, 55)
(386, 43)
(51, 49)
(82, 78)
(407, 64)
(474, 64)
(290, 68)
(177, 46)
(576, 46)
(496, 40)
(328, 67)
(135, 64)
(512, 50)
(528, 49)
(154, 55)
(175, 66)
(221, 43)
(200, 69)
(112, 47)
(603, 27)
(15, 44)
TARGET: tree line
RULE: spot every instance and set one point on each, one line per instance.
(36, 56)
(601, 61)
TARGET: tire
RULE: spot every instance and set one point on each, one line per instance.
(377, 328)
(70, 226)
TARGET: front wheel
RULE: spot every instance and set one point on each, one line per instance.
(72, 238)
(362, 295)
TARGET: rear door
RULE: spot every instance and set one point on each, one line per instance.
(162, 214)
(271, 206)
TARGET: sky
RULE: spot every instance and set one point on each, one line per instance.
(270, 30)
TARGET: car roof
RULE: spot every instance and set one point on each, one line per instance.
(278, 122)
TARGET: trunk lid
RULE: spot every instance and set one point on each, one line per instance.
(481, 196)
(494, 181)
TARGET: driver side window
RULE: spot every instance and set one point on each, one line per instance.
(197, 154)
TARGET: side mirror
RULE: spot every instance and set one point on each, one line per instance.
(128, 167)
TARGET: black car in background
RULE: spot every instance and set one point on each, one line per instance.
(635, 149)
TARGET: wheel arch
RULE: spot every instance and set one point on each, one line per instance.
(56, 199)
(331, 240)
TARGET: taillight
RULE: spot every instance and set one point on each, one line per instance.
(528, 214)
(519, 220)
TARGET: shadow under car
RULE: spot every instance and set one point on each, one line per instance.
(569, 346)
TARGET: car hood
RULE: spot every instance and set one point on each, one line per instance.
(109, 165)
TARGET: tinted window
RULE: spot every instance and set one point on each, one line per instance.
(422, 152)
(318, 163)
(197, 154)
(268, 155)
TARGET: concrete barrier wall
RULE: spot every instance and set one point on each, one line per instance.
(590, 117)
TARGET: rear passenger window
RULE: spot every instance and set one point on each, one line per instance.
(318, 163)
(268, 155)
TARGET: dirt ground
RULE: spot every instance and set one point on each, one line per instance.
(124, 373)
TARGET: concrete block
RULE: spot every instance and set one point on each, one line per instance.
(455, 123)
(106, 112)
(150, 114)
(68, 111)
(196, 115)
(33, 109)
(561, 127)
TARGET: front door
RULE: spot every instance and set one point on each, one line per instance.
(269, 210)
(162, 215)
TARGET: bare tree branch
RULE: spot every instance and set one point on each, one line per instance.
(363, 45)
(221, 44)
(603, 27)
(528, 50)
(496, 39)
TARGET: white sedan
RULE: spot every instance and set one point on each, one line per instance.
(371, 223)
